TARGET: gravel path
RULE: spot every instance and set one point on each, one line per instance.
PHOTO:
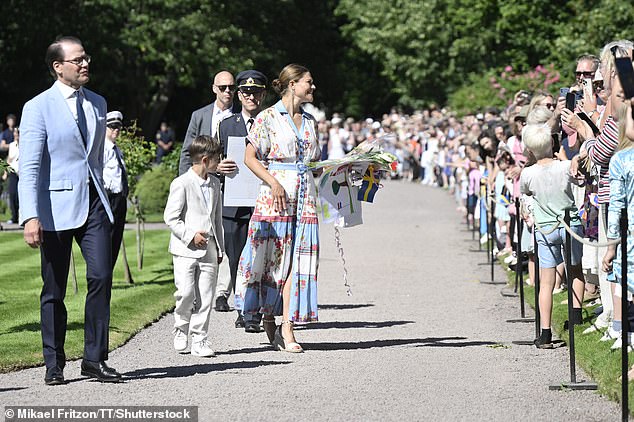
(420, 338)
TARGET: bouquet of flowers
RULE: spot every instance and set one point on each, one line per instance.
(364, 154)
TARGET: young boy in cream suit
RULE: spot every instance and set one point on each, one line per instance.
(194, 215)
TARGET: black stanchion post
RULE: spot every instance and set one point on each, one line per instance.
(477, 229)
(490, 231)
(481, 220)
(492, 254)
(517, 244)
(473, 226)
(536, 284)
(573, 384)
(519, 279)
(519, 268)
(492, 260)
(506, 292)
(625, 327)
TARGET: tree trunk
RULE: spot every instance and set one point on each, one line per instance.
(126, 266)
(140, 238)
(152, 114)
(73, 272)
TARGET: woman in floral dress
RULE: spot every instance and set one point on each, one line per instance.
(277, 274)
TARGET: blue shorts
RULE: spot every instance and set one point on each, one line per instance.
(550, 247)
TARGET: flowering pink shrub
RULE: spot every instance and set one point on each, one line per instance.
(507, 83)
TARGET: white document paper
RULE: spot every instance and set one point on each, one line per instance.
(242, 186)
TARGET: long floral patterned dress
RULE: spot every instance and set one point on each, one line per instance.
(286, 242)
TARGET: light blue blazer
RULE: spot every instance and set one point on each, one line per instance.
(55, 166)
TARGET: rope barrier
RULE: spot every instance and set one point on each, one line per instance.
(561, 221)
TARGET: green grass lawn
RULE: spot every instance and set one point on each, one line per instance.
(595, 357)
(132, 306)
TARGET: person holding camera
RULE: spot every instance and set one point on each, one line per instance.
(599, 150)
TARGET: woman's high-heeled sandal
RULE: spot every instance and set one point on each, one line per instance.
(269, 328)
(280, 344)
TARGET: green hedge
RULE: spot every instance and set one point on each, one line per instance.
(153, 189)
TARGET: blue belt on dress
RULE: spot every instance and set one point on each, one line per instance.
(298, 166)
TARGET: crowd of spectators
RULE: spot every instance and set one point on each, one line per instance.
(483, 160)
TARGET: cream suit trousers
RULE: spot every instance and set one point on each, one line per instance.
(195, 280)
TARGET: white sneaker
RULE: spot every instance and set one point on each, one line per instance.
(511, 259)
(180, 340)
(610, 334)
(202, 348)
(618, 343)
(600, 323)
(484, 239)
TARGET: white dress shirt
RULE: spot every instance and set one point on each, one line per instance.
(246, 118)
(204, 187)
(14, 156)
(70, 95)
(217, 117)
(112, 172)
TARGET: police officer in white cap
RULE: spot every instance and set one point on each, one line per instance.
(115, 179)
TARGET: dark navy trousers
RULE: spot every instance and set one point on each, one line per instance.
(94, 240)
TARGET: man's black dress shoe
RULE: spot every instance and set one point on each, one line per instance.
(239, 321)
(54, 376)
(252, 327)
(100, 371)
(222, 305)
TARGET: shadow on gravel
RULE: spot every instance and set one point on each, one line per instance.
(4, 390)
(247, 350)
(419, 342)
(188, 371)
(354, 324)
(342, 306)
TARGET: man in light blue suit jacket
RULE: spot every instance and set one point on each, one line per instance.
(63, 198)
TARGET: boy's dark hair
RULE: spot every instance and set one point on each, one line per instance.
(204, 146)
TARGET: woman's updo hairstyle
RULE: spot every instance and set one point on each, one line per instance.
(291, 72)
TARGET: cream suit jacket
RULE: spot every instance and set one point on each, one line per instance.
(186, 213)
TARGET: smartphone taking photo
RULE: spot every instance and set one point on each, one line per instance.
(626, 75)
(571, 100)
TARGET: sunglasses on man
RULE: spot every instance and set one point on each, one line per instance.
(114, 126)
(223, 88)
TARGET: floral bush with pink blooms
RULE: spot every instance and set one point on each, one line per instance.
(496, 88)
(507, 83)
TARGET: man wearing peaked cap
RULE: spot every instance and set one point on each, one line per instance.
(115, 180)
(235, 220)
(251, 81)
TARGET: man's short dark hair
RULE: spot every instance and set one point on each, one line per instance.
(204, 146)
(55, 52)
